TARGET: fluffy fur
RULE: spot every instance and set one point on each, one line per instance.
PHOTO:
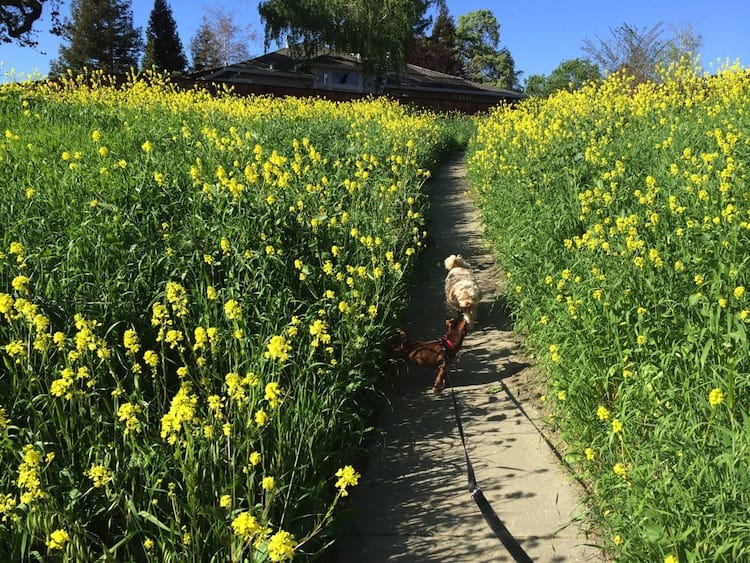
(434, 353)
(461, 290)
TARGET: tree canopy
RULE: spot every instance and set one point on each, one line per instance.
(100, 35)
(219, 41)
(640, 52)
(164, 50)
(570, 74)
(438, 51)
(477, 37)
(381, 32)
(17, 18)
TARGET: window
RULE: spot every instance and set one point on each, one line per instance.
(346, 78)
(338, 79)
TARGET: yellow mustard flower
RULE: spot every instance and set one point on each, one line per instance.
(245, 525)
(715, 397)
(58, 539)
(281, 546)
(278, 348)
(100, 475)
(260, 417)
(268, 483)
(273, 394)
(347, 477)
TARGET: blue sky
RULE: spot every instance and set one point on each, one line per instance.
(539, 35)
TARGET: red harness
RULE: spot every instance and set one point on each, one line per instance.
(449, 345)
(450, 348)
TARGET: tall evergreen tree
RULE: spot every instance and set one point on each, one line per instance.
(444, 30)
(100, 35)
(163, 46)
(438, 51)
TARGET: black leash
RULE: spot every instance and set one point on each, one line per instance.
(490, 516)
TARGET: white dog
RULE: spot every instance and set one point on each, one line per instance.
(461, 290)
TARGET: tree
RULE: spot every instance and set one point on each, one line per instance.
(380, 32)
(164, 50)
(100, 36)
(684, 42)
(204, 48)
(219, 41)
(535, 85)
(640, 52)
(478, 35)
(423, 21)
(438, 51)
(570, 75)
(17, 18)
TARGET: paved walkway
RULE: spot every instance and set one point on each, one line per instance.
(413, 504)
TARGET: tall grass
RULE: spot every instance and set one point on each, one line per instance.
(194, 292)
(621, 214)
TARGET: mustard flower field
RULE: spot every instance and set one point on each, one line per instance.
(194, 295)
(621, 214)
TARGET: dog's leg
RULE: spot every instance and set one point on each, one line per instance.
(440, 378)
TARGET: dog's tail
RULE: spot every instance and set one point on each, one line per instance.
(455, 261)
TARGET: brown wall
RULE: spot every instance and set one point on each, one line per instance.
(441, 102)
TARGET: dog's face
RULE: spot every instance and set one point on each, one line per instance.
(457, 325)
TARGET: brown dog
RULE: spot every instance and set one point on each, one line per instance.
(434, 353)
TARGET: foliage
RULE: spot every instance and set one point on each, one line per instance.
(381, 32)
(163, 46)
(438, 51)
(99, 36)
(219, 41)
(194, 296)
(204, 49)
(570, 75)
(641, 52)
(17, 18)
(477, 37)
(621, 214)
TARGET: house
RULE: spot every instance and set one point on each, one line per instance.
(344, 77)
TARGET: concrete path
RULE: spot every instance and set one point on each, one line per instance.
(413, 503)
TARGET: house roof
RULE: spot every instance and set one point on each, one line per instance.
(417, 77)
(283, 66)
(280, 62)
(277, 63)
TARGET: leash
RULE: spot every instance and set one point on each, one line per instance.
(490, 516)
